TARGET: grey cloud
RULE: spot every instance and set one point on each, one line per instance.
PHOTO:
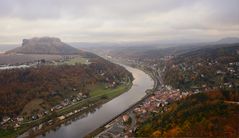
(33, 9)
(221, 10)
(109, 20)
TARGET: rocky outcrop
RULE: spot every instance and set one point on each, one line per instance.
(44, 45)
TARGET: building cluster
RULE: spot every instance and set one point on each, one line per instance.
(125, 125)
(222, 75)
(62, 118)
(14, 122)
(201, 73)
(157, 103)
(70, 101)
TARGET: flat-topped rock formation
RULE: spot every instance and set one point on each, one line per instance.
(44, 45)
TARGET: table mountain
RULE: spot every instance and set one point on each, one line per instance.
(44, 45)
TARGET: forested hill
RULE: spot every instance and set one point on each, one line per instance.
(202, 115)
(211, 74)
(53, 84)
(206, 68)
(53, 81)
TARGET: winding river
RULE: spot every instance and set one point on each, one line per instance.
(91, 121)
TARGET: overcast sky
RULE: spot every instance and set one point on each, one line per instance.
(118, 20)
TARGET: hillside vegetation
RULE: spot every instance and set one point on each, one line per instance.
(201, 115)
(207, 68)
(210, 73)
(54, 83)
(59, 74)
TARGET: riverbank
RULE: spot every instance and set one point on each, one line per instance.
(148, 91)
(80, 127)
(103, 127)
(51, 121)
(149, 71)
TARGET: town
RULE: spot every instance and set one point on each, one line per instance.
(175, 79)
(156, 103)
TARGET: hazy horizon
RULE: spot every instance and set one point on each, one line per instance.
(119, 21)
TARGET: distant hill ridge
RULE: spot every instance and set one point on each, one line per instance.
(44, 45)
(228, 40)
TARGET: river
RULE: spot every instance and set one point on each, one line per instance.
(83, 126)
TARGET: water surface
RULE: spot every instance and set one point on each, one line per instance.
(91, 121)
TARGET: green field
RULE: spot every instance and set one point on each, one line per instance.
(74, 61)
(97, 93)
(100, 90)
